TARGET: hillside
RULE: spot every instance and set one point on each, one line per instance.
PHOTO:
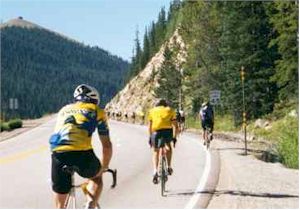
(246, 50)
(41, 68)
(138, 95)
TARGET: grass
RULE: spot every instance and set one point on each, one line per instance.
(11, 124)
(284, 133)
(222, 123)
(4, 126)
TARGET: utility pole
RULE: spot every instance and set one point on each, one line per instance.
(244, 108)
(180, 89)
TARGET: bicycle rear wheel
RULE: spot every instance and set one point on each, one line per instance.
(163, 175)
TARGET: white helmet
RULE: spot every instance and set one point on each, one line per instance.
(86, 93)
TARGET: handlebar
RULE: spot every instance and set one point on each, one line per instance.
(114, 175)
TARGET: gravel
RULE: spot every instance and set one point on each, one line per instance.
(246, 182)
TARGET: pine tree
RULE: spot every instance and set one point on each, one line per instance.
(284, 18)
(245, 38)
(169, 79)
(146, 49)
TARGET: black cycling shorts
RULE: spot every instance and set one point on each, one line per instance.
(86, 162)
(161, 137)
(207, 124)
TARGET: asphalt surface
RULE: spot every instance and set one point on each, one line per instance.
(25, 170)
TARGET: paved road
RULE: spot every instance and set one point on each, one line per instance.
(25, 170)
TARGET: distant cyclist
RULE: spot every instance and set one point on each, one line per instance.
(163, 130)
(71, 145)
(180, 116)
(206, 115)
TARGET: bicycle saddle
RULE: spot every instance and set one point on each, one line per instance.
(69, 169)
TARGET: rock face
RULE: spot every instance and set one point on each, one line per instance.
(138, 95)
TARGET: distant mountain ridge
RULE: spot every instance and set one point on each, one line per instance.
(21, 22)
(41, 68)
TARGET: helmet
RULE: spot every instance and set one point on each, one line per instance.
(161, 102)
(86, 93)
(204, 104)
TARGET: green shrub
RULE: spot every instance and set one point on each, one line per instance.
(288, 144)
(222, 123)
(225, 123)
(192, 122)
(4, 126)
(15, 123)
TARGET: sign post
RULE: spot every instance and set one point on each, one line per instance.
(244, 108)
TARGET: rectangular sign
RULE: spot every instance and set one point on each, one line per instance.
(214, 97)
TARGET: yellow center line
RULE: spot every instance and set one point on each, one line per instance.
(22, 155)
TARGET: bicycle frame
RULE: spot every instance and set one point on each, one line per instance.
(207, 132)
(72, 194)
(163, 165)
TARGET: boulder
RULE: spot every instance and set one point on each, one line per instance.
(293, 113)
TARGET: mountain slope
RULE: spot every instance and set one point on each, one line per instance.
(41, 68)
(138, 95)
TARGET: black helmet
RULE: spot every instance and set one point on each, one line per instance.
(161, 102)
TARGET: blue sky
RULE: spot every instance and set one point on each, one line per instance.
(109, 24)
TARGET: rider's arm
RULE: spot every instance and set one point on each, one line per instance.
(200, 114)
(103, 132)
(106, 151)
(175, 125)
(150, 123)
(150, 127)
(176, 129)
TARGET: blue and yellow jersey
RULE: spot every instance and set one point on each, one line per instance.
(75, 125)
(161, 117)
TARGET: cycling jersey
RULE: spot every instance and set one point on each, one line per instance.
(75, 126)
(161, 117)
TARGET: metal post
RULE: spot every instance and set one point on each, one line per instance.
(180, 89)
(244, 108)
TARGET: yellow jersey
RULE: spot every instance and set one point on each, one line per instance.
(161, 117)
(75, 125)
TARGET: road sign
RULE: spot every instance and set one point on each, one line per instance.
(13, 103)
(214, 97)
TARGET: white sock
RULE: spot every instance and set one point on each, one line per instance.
(154, 171)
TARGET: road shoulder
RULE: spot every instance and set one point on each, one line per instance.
(27, 125)
(246, 182)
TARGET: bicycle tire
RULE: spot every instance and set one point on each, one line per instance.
(163, 177)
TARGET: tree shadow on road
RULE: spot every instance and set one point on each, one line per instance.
(230, 192)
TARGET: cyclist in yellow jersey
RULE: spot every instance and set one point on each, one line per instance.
(71, 145)
(163, 130)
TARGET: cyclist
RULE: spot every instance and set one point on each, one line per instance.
(71, 145)
(206, 115)
(180, 117)
(163, 129)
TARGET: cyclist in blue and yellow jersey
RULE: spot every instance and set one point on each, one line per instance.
(71, 145)
(163, 129)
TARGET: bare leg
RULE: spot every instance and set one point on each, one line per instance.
(94, 188)
(169, 154)
(60, 200)
(155, 159)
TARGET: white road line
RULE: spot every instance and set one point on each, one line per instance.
(193, 201)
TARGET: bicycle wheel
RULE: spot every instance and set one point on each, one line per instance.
(163, 176)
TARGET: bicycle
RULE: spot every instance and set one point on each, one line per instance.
(163, 166)
(72, 195)
(207, 136)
